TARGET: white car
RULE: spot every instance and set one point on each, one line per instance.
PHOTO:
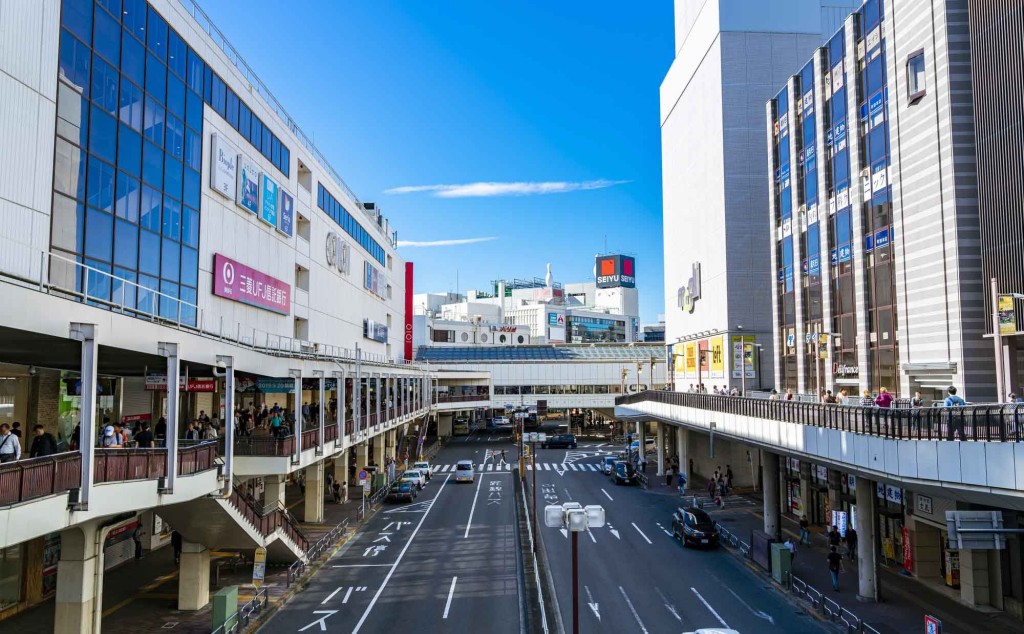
(415, 477)
(464, 471)
(424, 469)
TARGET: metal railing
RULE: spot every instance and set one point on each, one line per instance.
(242, 617)
(264, 446)
(118, 465)
(829, 609)
(34, 478)
(313, 554)
(731, 539)
(197, 458)
(266, 521)
(461, 398)
(985, 422)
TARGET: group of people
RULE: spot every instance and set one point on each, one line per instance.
(719, 484)
(833, 558)
(43, 442)
(700, 388)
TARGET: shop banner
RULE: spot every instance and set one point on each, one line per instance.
(158, 383)
(908, 554)
(238, 282)
(703, 356)
(1007, 315)
(718, 357)
(691, 359)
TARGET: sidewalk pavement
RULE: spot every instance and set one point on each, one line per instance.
(905, 599)
(142, 596)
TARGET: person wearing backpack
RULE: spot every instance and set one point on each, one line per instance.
(955, 423)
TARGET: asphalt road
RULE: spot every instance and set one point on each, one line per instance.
(634, 577)
(446, 562)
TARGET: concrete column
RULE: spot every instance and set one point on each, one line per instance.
(805, 489)
(170, 351)
(229, 419)
(378, 393)
(341, 473)
(79, 580)
(867, 540)
(322, 413)
(273, 491)
(194, 577)
(362, 454)
(86, 333)
(772, 519)
(378, 451)
(925, 541)
(835, 487)
(659, 444)
(339, 392)
(974, 582)
(365, 387)
(314, 503)
(297, 413)
(681, 442)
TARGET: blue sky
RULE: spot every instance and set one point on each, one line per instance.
(556, 102)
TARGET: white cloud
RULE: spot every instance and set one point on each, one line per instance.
(443, 243)
(484, 189)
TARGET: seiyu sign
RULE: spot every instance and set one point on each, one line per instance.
(337, 252)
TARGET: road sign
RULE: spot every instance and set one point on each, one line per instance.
(362, 475)
(259, 566)
(932, 625)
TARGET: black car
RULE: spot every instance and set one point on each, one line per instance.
(402, 491)
(623, 473)
(694, 527)
(563, 441)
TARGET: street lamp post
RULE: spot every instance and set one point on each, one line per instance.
(576, 518)
(534, 438)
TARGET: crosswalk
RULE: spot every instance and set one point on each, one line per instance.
(541, 466)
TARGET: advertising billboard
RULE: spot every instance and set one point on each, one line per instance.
(240, 283)
(223, 167)
(408, 311)
(247, 193)
(268, 201)
(717, 357)
(285, 213)
(691, 359)
(613, 271)
(375, 331)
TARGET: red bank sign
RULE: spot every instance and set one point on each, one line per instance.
(238, 282)
(408, 311)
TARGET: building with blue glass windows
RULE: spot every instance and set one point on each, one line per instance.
(874, 210)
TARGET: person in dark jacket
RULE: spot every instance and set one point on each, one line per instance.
(43, 444)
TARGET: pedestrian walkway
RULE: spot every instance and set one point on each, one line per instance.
(905, 600)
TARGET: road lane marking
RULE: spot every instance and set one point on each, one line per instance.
(641, 533)
(451, 593)
(348, 594)
(322, 621)
(473, 508)
(594, 539)
(632, 609)
(394, 566)
(668, 606)
(710, 609)
(360, 565)
(758, 613)
(331, 596)
(606, 495)
(593, 604)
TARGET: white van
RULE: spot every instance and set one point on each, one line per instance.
(464, 471)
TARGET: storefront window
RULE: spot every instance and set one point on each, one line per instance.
(11, 563)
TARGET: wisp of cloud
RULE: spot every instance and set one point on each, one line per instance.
(486, 189)
(443, 243)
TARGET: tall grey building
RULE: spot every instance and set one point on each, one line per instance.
(731, 57)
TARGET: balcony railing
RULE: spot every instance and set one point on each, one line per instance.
(39, 477)
(460, 398)
(989, 423)
(265, 446)
(197, 458)
(266, 521)
(118, 465)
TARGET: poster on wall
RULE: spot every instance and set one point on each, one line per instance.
(743, 356)
(286, 213)
(268, 201)
(247, 193)
(223, 167)
(717, 357)
(238, 282)
(703, 357)
(679, 358)
(691, 359)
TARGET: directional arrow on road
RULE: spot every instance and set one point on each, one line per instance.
(758, 613)
(591, 603)
(322, 621)
(614, 532)
(564, 533)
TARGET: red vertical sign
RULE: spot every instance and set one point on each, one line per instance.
(408, 311)
(908, 553)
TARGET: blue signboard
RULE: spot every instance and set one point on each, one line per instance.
(782, 276)
(882, 239)
(869, 243)
(815, 266)
(286, 215)
(845, 253)
(876, 109)
(839, 132)
(268, 202)
(835, 258)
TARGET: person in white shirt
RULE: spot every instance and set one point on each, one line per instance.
(10, 445)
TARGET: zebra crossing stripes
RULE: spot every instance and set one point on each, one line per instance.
(541, 466)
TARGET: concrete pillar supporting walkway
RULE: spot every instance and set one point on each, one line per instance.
(867, 540)
(659, 444)
(772, 518)
(682, 439)
(273, 490)
(194, 577)
(79, 581)
(313, 508)
(341, 473)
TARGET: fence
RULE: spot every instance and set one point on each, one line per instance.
(25, 480)
(460, 398)
(240, 620)
(197, 458)
(313, 554)
(986, 422)
(266, 521)
(117, 465)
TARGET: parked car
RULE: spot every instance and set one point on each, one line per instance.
(694, 527)
(415, 477)
(623, 473)
(563, 441)
(608, 466)
(649, 445)
(424, 468)
(402, 491)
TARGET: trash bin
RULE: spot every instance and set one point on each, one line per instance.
(782, 563)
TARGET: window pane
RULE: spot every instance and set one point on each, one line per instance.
(195, 71)
(175, 143)
(168, 306)
(152, 165)
(286, 160)
(189, 266)
(172, 177)
(190, 227)
(126, 244)
(128, 196)
(100, 192)
(176, 96)
(188, 312)
(123, 293)
(74, 62)
(219, 97)
(133, 16)
(156, 78)
(104, 85)
(69, 169)
(170, 260)
(112, 6)
(177, 54)
(194, 110)
(232, 109)
(146, 301)
(193, 150)
(149, 253)
(67, 225)
(191, 194)
(76, 15)
(107, 37)
(97, 283)
(129, 150)
(133, 58)
(99, 231)
(151, 204)
(153, 126)
(156, 34)
(244, 119)
(172, 219)
(130, 104)
(104, 134)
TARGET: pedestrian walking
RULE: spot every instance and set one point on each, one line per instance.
(954, 424)
(682, 484)
(851, 543)
(668, 476)
(503, 460)
(10, 446)
(834, 537)
(805, 530)
(43, 444)
(835, 564)
(176, 545)
(137, 538)
(728, 478)
(791, 547)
